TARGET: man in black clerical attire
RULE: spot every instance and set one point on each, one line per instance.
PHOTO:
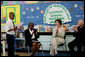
(79, 40)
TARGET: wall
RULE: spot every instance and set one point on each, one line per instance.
(76, 10)
(35, 12)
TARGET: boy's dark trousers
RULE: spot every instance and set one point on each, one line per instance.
(10, 41)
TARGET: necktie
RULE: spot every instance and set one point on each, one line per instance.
(13, 24)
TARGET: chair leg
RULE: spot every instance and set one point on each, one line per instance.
(28, 49)
(25, 51)
(65, 46)
(63, 50)
(38, 52)
(42, 51)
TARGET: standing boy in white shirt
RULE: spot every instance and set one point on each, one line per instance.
(10, 31)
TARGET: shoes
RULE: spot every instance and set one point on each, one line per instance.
(16, 55)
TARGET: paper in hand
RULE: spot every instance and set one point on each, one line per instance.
(20, 24)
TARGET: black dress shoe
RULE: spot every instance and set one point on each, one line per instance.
(16, 55)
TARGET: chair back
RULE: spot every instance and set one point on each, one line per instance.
(65, 36)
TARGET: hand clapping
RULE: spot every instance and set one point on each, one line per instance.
(56, 30)
(74, 28)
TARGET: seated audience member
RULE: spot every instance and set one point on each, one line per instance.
(58, 37)
(79, 40)
(31, 37)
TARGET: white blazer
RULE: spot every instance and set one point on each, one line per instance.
(60, 34)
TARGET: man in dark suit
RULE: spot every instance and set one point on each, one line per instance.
(31, 37)
(79, 40)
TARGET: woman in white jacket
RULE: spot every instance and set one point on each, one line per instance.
(58, 37)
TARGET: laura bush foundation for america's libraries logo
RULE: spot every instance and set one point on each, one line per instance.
(56, 11)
